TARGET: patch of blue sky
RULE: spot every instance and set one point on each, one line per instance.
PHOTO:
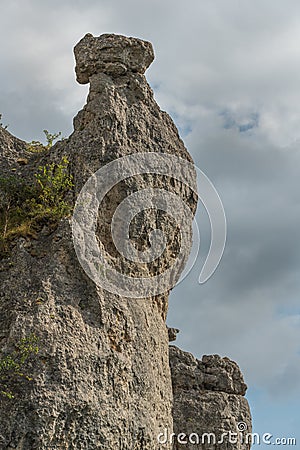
(266, 418)
(241, 123)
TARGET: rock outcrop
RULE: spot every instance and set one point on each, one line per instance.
(209, 404)
(101, 378)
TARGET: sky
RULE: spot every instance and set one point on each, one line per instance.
(228, 74)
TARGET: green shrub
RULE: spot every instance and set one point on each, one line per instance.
(54, 182)
(38, 147)
(24, 208)
(51, 138)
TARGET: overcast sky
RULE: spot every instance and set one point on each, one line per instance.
(228, 73)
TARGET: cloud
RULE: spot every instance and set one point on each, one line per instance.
(236, 312)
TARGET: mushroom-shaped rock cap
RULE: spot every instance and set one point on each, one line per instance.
(111, 54)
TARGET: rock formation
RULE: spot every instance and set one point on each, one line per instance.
(101, 378)
(209, 404)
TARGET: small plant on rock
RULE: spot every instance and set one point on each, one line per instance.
(38, 147)
(54, 182)
(12, 365)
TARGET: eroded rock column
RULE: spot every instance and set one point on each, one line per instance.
(101, 379)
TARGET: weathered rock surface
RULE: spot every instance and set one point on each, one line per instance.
(101, 379)
(172, 332)
(111, 54)
(12, 150)
(209, 403)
